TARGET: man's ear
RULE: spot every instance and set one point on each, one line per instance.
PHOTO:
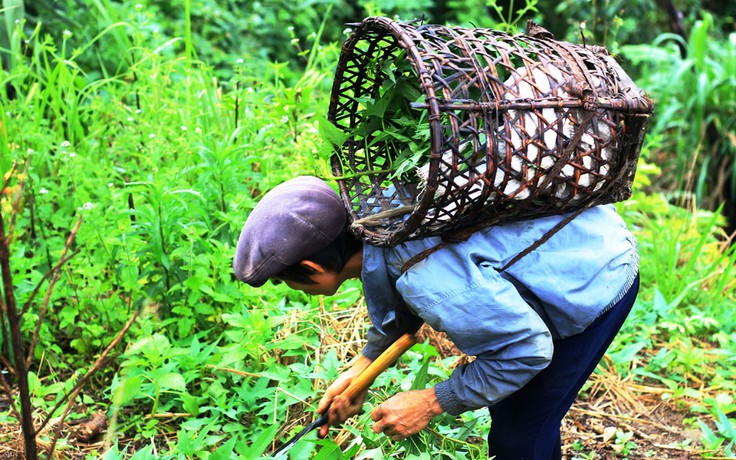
(312, 266)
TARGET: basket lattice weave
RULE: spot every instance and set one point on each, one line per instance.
(520, 127)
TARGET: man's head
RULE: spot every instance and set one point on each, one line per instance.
(299, 220)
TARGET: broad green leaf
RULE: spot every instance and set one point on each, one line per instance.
(698, 42)
(129, 276)
(329, 450)
(258, 443)
(710, 439)
(128, 390)
(153, 345)
(145, 453)
(185, 444)
(301, 449)
(172, 380)
(371, 454)
(291, 342)
(236, 320)
(467, 430)
(190, 403)
(331, 133)
(113, 454)
(223, 452)
(420, 379)
(627, 354)
(725, 425)
(33, 383)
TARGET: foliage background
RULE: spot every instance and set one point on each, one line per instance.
(162, 123)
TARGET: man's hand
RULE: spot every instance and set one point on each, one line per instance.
(406, 413)
(341, 408)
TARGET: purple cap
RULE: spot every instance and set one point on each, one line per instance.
(295, 220)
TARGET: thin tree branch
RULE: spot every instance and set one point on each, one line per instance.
(16, 204)
(9, 175)
(676, 23)
(26, 410)
(7, 364)
(95, 367)
(52, 283)
(46, 276)
(6, 332)
(9, 392)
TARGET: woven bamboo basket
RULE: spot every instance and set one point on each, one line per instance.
(514, 127)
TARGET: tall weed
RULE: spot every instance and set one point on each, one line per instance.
(696, 107)
(680, 329)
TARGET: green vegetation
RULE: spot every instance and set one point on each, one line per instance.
(699, 82)
(160, 124)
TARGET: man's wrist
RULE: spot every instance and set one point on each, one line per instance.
(433, 403)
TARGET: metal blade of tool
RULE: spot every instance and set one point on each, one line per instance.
(315, 424)
(359, 384)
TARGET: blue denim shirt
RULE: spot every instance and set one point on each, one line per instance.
(507, 320)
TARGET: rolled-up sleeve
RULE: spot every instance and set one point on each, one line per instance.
(484, 316)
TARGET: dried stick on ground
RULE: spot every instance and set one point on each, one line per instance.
(71, 395)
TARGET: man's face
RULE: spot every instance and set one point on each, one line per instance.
(325, 283)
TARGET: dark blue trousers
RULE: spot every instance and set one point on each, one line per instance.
(526, 425)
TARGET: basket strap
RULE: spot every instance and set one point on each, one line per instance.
(462, 236)
(543, 239)
(423, 255)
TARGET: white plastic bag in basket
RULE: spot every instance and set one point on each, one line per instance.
(526, 132)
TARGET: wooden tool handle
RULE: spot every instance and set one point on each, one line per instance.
(374, 369)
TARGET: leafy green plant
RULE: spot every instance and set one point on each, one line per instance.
(623, 445)
(509, 18)
(685, 260)
(724, 435)
(388, 120)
